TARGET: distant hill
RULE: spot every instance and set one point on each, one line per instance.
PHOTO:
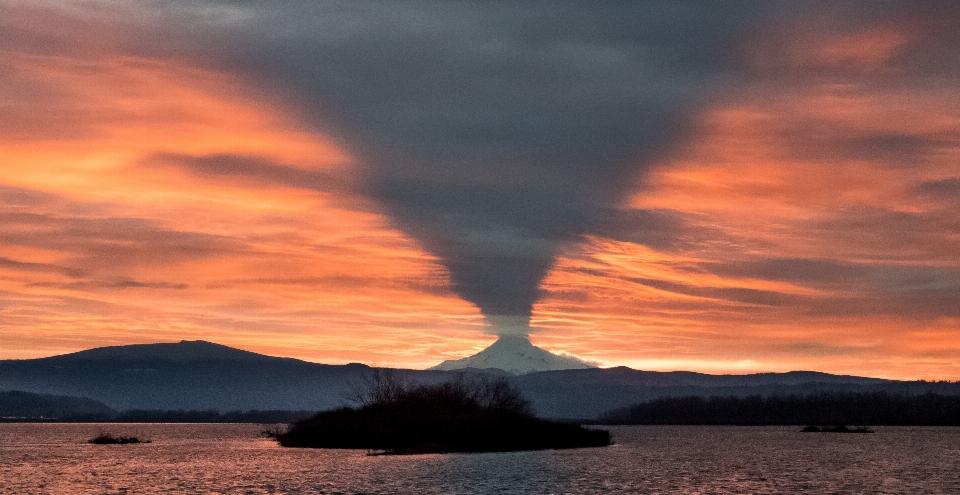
(591, 392)
(193, 375)
(198, 375)
(185, 350)
(822, 408)
(18, 405)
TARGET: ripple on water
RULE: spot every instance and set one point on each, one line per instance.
(55, 458)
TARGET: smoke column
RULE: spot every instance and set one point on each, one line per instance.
(493, 132)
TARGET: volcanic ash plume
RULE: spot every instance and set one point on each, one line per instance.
(491, 132)
(520, 130)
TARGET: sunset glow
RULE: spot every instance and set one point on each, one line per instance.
(800, 244)
(805, 218)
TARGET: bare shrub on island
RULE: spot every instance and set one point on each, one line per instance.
(380, 386)
(467, 414)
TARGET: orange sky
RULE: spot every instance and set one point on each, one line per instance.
(807, 224)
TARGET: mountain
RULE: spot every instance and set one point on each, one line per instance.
(516, 355)
(197, 375)
(194, 375)
(185, 350)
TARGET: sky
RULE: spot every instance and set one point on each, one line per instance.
(725, 187)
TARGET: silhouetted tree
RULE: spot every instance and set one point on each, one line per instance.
(467, 414)
(380, 386)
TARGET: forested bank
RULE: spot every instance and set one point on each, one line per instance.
(874, 408)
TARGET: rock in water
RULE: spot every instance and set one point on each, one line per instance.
(514, 354)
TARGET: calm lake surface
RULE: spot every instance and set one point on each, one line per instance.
(204, 458)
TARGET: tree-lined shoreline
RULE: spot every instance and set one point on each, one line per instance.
(862, 408)
(869, 408)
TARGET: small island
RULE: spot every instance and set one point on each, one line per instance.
(109, 439)
(477, 415)
(836, 429)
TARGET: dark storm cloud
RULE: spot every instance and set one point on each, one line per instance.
(822, 141)
(900, 149)
(850, 288)
(802, 271)
(95, 242)
(115, 284)
(495, 132)
(84, 235)
(134, 284)
(823, 349)
(661, 229)
(946, 189)
(730, 294)
(929, 55)
(110, 241)
(896, 235)
(252, 170)
(912, 293)
(21, 199)
(426, 285)
(492, 132)
(39, 267)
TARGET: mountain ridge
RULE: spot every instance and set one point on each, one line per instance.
(185, 349)
(198, 375)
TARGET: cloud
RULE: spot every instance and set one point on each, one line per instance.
(708, 182)
(826, 349)
(814, 203)
(78, 274)
(497, 135)
(111, 243)
(253, 171)
(492, 133)
(39, 267)
(944, 189)
(117, 284)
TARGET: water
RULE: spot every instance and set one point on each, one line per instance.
(54, 458)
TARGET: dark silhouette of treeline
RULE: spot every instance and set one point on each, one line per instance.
(465, 415)
(26, 407)
(871, 408)
(171, 416)
(210, 416)
(18, 404)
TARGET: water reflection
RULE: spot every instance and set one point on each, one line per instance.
(53, 458)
